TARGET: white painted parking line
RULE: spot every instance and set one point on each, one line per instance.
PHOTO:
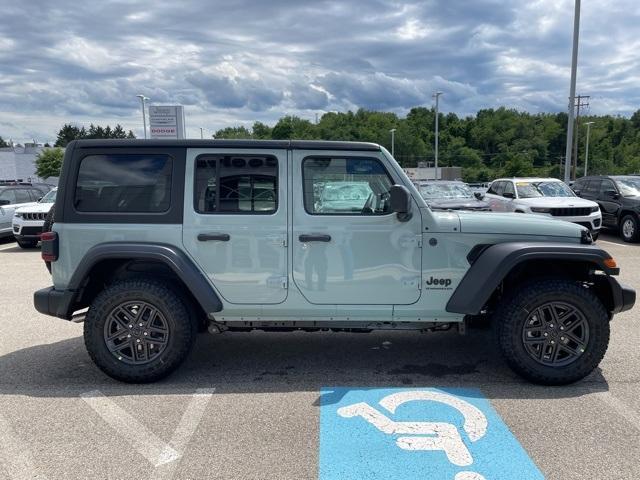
(186, 428)
(620, 408)
(146, 442)
(612, 243)
(8, 247)
(15, 458)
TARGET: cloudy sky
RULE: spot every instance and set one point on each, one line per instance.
(236, 61)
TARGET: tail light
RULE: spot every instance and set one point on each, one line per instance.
(49, 246)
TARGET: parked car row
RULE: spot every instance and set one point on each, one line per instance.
(23, 209)
(594, 202)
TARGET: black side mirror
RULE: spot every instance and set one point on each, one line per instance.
(478, 195)
(508, 195)
(577, 192)
(4, 202)
(400, 200)
(612, 193)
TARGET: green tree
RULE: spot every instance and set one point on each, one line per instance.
(49, 162)
(69, 133)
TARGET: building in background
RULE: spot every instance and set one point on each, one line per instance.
(18, 163)
(429, 173)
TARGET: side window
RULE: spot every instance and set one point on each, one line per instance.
(345, 186)
(22, 195)
(593, 187)
(607, 185)
(241, 184)
(497, 188)
(124, 183)
(8, 197)
(508, 188)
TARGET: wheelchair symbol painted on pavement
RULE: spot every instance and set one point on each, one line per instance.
(421, 435)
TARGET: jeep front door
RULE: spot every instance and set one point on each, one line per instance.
(349, 248)
(235, 222)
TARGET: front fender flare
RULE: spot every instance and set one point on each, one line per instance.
(494, 263)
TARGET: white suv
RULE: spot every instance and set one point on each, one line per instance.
(27, 221)
(544, 196)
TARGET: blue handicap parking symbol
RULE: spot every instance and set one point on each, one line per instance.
(416, 433)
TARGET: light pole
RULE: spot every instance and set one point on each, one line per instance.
(201, 133)
(437, 97)
(572, 90)
(144, 118)
(393, 141)
(586, 148)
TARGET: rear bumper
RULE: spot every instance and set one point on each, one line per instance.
(56, 303)
(623, 296)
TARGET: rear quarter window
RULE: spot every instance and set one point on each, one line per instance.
(124, 183)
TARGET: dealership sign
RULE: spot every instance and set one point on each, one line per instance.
(166, 121)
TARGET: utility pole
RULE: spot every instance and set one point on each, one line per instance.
(437, 97)
(586, 148)
(393, 141)
(574, 163)
(201, 133)
(572, 88)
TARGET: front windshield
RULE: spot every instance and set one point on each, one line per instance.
(543, 189)
(629, 187)
(49, 197)
(445, 190)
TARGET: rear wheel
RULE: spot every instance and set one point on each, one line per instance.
(552, 332)
(138, 331)
(629, 230)
(27, 243)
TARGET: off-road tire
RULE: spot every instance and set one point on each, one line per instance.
(513, 311)
(26, 244)
(634, 236)
(182, 329)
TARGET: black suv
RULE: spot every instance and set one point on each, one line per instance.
(619, 200)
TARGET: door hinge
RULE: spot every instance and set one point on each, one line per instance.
(278, 282)
(412, 282)
(414, 241)
(278, 240)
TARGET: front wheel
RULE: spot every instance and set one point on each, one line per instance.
(552, 332)
(138, 331)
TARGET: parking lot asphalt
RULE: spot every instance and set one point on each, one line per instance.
(247, 405)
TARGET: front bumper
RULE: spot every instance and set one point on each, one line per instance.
(57, 303)
(27, 229)
(623, 296)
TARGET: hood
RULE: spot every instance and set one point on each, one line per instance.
(35, 208)
(556, 202)
(457, 204)
(517, 224)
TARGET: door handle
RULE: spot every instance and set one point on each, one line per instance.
(220, 237)
(307, 237)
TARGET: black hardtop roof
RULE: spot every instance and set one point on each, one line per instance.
(222, 143)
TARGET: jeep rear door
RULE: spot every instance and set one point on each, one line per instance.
(235, 221)
(348, 247)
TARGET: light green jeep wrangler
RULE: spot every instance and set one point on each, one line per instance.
(161, 239)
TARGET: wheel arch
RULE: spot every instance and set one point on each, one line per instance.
(505, 265)
(108, 262)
